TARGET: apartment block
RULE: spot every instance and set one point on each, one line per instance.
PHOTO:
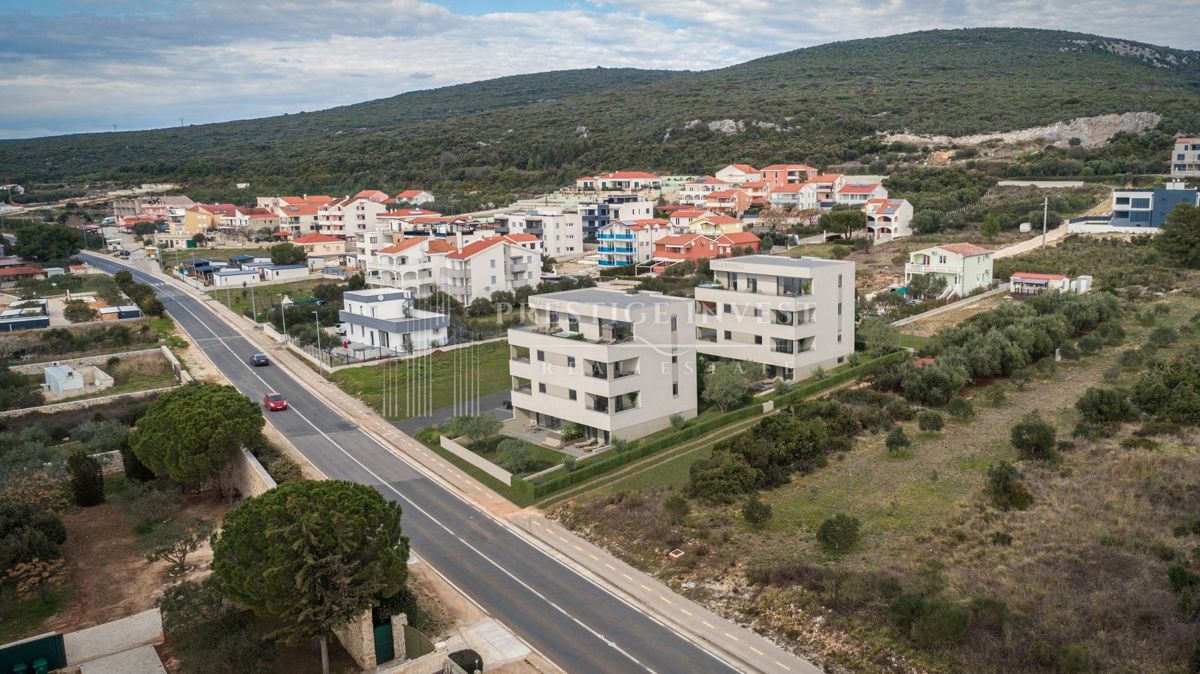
(1185, 159)
(597, 214)
(561, 231)
(630, 242)
(386, 320)
(1149, 208)
(791, 315)
(617, 364)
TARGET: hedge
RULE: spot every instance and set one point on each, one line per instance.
(537, 490)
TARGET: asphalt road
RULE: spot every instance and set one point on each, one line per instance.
(575, 623)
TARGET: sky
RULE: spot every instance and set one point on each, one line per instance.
(69, 66)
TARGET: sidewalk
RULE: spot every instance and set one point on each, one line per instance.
(742, 648)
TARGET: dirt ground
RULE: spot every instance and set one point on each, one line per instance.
(930, 325)
(108, 575)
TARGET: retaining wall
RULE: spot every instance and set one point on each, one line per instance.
(475, 460)
(248, 476)
(85, 403)
(36, 368)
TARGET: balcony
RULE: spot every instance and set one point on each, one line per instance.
(608, 236)
(615, 250)
(915, 268)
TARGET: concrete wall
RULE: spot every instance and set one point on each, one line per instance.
(36, 368)
(85, 403)
(247, 475)
(475, 460)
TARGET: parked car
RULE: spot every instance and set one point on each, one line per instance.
(275, 402)
(341, 329)
(259, 359)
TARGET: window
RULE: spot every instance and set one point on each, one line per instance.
(675, 389)
(839, 308)
(674, 323)
(570, 361)
(758, 339)
(493, 280)
(839, 341)
(1141, 202)
(941, 259)
(728, 335)
(572, 394)
(841, 359)
(758, 312)
(554, 317)
(492, 264)
(727, 309)
(541, 388)
(541, 355)
(839, 280)
(674, 358)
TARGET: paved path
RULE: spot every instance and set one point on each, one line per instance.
(584, 618)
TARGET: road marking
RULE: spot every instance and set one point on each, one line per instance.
(610, 566)
(577, 548)
(180, 296)
(783, 665)
(627, 576)
(537, 524)
(646, 588)
(593, 557)
(732, 637)
(708, 624)
(686, 611)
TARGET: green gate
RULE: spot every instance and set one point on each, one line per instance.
(47, 650)
(385, 648)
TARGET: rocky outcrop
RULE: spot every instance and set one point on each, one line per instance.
(1091, 131)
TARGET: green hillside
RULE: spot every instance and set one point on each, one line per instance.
(495, 139)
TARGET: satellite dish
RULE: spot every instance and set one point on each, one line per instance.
(379, 297)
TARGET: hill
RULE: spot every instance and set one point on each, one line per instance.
(491, 140)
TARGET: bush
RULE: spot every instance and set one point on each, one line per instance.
(722, 477)
(940, 623)
(678, 422)
(929, 420)
(960, 408)
(838, 533)
(756, 512)
(1105, 406)
(1005, 488)
(516, 456)
(1163, 336)
(897, 441)
(1033, 437)
(78, 311)
(677, 508)
(86, 479)
(208, 632)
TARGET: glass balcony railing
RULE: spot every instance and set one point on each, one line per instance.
(609, 236)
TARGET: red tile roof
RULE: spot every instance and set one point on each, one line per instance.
(967, 249)
(827, 178)
(745, 168)
(739, 238)
(791, 187)
(308, 199)
(20, 271)
(438, 246)
(318, 238)
(403, 245)
(303, 208)
(862, 188)
(679, 239)
(631, 175)
(409, 194)
(372, 195)
(689, 213)
(708, 180)
(720, 219)
(789, 167)
(472, 249)
(521, 237)
(1033, 276)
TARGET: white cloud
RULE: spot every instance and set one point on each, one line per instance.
(211, 60)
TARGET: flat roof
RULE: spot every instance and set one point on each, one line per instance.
(376, 295)
(611, 298)
(777, 262)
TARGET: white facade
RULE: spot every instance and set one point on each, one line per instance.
(790, 315)
(964, 267)
(487, 266)
(1185, 158)
(627, 243)
(617, 364)
(385, 319)
(235, 278)
(560, 231)
(348, 216)
(857, 194)
(739, 173)
(802, 197)
(695, 193)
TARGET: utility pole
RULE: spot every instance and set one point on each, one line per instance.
(317, 320)
(283, 315)
(253, 305)
(1045, 216)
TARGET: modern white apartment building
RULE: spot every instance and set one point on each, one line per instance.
(790, 315)
(857, 194)
(561, 231)
(465, 271)
(386, 319)
(1185, 159)
(695, 192)
(348, 216)
(630, 242)
(617, 364)
(800, 196)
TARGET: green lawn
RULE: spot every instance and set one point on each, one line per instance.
(823, 250)
(431, 382)
(243, 299)
(22, 616)
(101, 284)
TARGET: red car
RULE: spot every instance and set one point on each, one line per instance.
(275, 402)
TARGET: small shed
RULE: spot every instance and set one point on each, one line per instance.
(63, 379)
(280, 272)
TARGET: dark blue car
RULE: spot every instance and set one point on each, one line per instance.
(259, 359)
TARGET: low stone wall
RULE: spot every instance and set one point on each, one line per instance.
(37, 368)
(180, 373)
(110, 462)
(358, 638)
(85, 403)
(475, 460)
(966, 302)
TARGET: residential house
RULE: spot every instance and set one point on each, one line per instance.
(728, 202)
(791, 315)
(1185, 159)
(378, 196)
(235, 277)
(738, 174)
(965, 267)
(620, 181)
(716, 225)
(827, 187)
(888, 219)
(348, 216)
(677, 248)
(561, 231)
(681, 219)
(411, 264)
(283, 272)
(385, 319)
(479, 269)
(298, 219)
(858, 194)
(599, 213)
(1147, 209)
(779, 175)
(323, 250)
(797, 196)
(615, 364)
(695, 192)
(414, 198)
(1031, 283)
(630, 242)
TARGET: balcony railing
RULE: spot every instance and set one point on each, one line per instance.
(603, 236)
(614, 250)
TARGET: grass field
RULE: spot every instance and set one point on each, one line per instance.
(431, 382)
(243, 299)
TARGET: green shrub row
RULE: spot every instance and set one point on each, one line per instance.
(537, 490)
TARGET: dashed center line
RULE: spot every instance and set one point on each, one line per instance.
(708, 624)
(783, 665)
(732, 637)
(756, 650)
(686, 611)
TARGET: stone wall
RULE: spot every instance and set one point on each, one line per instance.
(71, 405)
(247, 476)
(358, 638)
(37, 368)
